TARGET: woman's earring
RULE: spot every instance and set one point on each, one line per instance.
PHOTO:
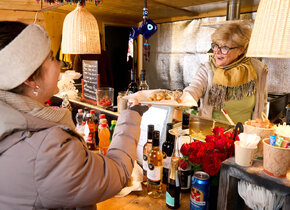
(36, 90)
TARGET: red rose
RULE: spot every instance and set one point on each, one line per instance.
(222, 156)
(210, 138)
(218, 131)
(220, 144)
(183, 164)
(185, 149)
(211, 164)
(209, 146)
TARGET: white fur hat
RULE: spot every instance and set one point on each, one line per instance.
(22, 56)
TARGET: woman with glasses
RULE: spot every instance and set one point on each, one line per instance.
(230, 80)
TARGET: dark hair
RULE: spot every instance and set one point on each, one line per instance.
(9, 30)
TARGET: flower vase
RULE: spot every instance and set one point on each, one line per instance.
(213, 192)
(185, 178)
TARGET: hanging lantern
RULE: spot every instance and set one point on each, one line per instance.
(80, 34)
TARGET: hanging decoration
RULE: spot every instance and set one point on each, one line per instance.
(147, 29)
(81, 2)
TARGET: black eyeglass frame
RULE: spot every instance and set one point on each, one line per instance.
(222, 49)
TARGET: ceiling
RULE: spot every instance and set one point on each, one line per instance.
(131, 10)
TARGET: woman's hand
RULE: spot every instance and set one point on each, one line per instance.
(134, 105)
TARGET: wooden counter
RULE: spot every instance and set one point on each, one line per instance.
(140, 200)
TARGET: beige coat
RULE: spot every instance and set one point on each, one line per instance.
(202, 82)
(45, 165)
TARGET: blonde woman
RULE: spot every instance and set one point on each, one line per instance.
(230, 80)
(44, 163)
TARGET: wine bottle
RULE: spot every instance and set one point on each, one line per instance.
(143, 84)
(154, 173)
(185, 120)
(133, 86)
(167, 149)
(173, 186)
(146, 149)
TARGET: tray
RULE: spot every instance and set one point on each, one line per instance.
(200, 125)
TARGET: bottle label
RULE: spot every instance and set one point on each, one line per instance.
(169, 199)
(166, 162)
(154, 173)
(145, 163)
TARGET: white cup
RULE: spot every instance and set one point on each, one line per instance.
(244, 156)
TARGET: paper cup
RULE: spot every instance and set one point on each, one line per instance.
(262, 132)
(276, 160)
(244, 156)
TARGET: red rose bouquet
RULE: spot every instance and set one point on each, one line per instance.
(208, 156)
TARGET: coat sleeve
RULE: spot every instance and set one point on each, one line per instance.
(198, 85)
(68, 175)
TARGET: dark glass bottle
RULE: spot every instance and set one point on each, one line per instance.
(173, 186)
(167, 149)
(133, 86)
(185, 120)
(143, 84)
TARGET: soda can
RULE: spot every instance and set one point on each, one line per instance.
(199, 191)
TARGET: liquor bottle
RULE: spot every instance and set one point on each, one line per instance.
(167, 149)
(173, 186)
(154, 173)
(146, 149)
(90, 132)
(185, 120)
(133, 87)
(112, 128)
(96, 122)
(143, 84)
(104, 139)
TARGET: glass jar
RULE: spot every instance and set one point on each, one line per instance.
(121, 102)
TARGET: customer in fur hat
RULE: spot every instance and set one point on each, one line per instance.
(44, 163)
(230, 80)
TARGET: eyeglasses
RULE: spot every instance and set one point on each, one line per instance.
(224, 50)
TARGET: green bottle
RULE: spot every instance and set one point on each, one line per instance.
(112, 128)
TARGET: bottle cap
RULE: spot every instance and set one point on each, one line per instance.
(92, 111)
(150, 131)
(102, 116)
(80, 110)
(113, 122)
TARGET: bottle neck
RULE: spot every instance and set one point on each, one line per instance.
(133, 76)
(173, 168)
(155, 142)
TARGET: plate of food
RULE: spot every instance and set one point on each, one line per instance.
(164, 97)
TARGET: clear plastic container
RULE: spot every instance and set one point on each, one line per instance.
(105, 97)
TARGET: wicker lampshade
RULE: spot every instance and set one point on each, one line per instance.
(271, 32)
(80, 33)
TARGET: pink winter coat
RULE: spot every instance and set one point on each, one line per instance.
(44, 165)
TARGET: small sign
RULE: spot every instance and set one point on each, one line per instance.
(90, 82)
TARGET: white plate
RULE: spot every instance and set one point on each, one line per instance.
(142, 96)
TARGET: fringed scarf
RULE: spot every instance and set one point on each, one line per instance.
(29, 106)
(232, 82)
